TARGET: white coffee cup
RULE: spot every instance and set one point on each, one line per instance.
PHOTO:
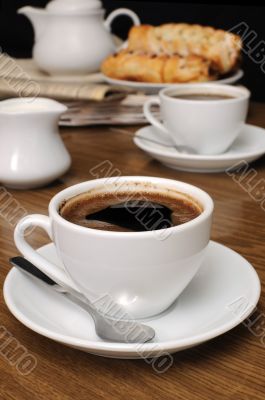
(144, 272)
(204, 126)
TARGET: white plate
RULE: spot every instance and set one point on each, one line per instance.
(211, 305)
(155, 87)
(249, 146)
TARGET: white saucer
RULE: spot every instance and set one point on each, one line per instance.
(152, 88)
(202, 312)
(249, 146)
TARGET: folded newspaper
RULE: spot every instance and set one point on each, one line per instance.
(90, 100)
(21, 77)
(127, 111)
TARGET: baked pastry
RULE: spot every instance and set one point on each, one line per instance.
(175, 53)
(162, 68)
(220, 48)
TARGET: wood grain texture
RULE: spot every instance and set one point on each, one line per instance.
(229, 367)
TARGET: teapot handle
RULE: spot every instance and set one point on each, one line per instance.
(121, 11)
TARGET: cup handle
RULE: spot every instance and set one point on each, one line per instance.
(121, 11)
(54, 272)
(150, 117)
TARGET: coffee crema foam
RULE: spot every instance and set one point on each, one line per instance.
(130, 207)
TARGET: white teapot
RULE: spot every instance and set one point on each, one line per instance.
(71, 36)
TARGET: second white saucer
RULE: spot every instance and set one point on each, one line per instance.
(249, 146)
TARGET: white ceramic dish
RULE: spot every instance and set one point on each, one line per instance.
(249, 146)
(32, 153)
(153, 88)
(206, 309)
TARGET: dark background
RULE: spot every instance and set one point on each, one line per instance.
(16, 34)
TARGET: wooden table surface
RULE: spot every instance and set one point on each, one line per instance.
(229, 367)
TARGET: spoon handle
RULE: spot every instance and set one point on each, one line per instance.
(106, 327)
(28, 267)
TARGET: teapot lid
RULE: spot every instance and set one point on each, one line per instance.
(73, 5)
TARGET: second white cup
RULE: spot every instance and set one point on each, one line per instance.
(207, 126)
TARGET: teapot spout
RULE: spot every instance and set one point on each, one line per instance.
(37, 17)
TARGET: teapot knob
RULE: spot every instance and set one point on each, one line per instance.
(73, 5)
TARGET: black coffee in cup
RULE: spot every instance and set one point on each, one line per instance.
(132, 210)
(203, 96)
